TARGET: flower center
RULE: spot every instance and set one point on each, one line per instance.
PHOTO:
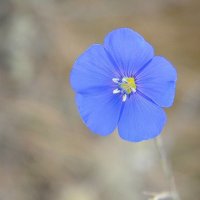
(125, 86)
(128, 85)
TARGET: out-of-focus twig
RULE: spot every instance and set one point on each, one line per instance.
(167, 169)
(159, 196)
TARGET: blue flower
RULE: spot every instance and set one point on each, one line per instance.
(122, 84)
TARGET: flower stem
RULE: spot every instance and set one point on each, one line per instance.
(167, 168)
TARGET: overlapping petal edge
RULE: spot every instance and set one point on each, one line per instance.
(124, 53)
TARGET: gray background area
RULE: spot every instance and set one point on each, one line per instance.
(46, 153)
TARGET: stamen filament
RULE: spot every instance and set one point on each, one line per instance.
(116, 91)
(115, 80)
(124, 97)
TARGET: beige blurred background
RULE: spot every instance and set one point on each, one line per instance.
(46, 153)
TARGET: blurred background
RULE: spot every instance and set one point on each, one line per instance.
(46, 153)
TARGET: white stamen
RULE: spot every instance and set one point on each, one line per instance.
(133, 89)
(124, 97)
(115, 80)
(116, 91)
(124, 80)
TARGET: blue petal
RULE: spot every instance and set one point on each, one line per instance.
(100, 111)
(140, 119)
(92, 69)
(158, 81)
(128, 50)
